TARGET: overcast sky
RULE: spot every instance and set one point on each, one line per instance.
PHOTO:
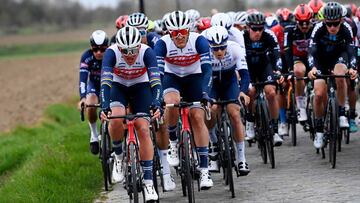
(91, 4)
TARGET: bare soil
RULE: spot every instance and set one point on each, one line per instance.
(29, 85)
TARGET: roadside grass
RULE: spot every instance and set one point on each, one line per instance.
(17, 50)
(51, 162)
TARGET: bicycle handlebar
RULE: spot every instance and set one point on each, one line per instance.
(83, 106)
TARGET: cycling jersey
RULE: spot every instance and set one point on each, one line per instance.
(296, 45)
(327, 50)
(152, 38)
(116, 70)
(193, 59)
(224, 69)
(90, 73)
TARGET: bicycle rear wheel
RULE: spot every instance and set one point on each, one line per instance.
(104, 155)
(293, 119)
(333, 133)
(228, 159)
(134, 175)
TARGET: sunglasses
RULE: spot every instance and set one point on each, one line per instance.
(217, 47)
(333, 24)
(257, 28)
(96, 49)
(303, 23)
(130, 51)
(176, 33)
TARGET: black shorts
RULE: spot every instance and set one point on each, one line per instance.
(327, 63)
(261, 72)
(302, 60)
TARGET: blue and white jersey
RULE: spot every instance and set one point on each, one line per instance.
(185, 61)
(237, 36)
(152, 38)
(90, 69)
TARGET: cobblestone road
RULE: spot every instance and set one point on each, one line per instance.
(300, 175)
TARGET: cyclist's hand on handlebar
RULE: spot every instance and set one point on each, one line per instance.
(206, 100)
(104, 114)
(281, 79)
(353, 74)
(245, 97)
(156, 109)
(81, 103)
(312, 74)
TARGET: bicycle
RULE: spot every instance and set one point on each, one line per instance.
(331, 117)
(291, 107)
(133, 174)
(263, 132)
(105, 144)
(226, 145)
(187, 153)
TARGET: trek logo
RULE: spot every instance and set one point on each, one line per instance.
(130, 73)
(183, 60)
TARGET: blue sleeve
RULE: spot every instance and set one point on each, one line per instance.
(202, 47)
(84, 74)
(245, 80)
(160, 50)
(154, 74)
(108, 62)
(152, 38)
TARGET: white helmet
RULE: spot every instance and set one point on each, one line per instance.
(240, 18)
(232, 15)
(137, 20)
(128, 37)
(221, 19)
(217, 35)
(99, 38)
(344, 10)
(193, 14)
(177, 20)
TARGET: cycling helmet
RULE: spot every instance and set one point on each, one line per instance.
(256, 18)
(193, 15)
(177, 20)
(357, 14)
(232, 15)
(284, 14)
(121, 21)
(151, 26)
(137, 20)
(221, 19)
(99, 38)
(316, 5)
(217, 35)
(333, 11)
(353, 8)
(346, 11)
(303, 13)
(203, 23)
(240, 18)
(271, 21)
(320, 14)
(163, 25)
(158, 26)
(128, 37)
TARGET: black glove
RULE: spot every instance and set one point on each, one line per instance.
(105, 110)
(156, 105)
(206, 99)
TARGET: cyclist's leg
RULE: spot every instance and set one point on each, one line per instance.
(299, 71)
(341, 69)
(116, 127)
(91, 99)
(171, 93)
(250, 118)
(352, 105)
(320, 100)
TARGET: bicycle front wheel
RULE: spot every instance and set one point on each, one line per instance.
(269, 141)
(187, 167)
(333, 132)
(228, 160)
(104, 152)
(133, 161)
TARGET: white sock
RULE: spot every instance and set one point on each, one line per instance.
(148, 182)
(94, 132)
(241, 151)
(299, 102)
(164, 162)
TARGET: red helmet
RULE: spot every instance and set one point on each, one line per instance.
(353, 8)
(121, 21)
(303, 13)
(315, 5)
(203, 23)
(357, 14)
(284, 14)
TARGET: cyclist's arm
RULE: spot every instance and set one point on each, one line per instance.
(160, 51)
(274, 46)
(202, 47)
(313, 47)
(242, 68)
(84, 74)
(154, 74)
(108, 62)
(350, 47)
(288, 46)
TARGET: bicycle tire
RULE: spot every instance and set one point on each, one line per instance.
(259, 134)
(187, 168)
(104, 155)
(229, 175)
(333, 133)
(342, 133)
(293, 119)
(133, 172)
(269, 141)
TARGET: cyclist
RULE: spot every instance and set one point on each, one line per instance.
(262, 49)
(331, 50)
(194, 16)
(119, 23)
(226, 60)
(141, 22)
(184, 55)
(316, 6)
(240, 20)
(130, 75)
(203, 24)
(296, 44)
(89, 84)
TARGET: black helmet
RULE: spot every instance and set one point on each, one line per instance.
(333, 11)
(256, 18)
(99, 38)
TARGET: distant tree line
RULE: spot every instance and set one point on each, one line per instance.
(61, 14)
